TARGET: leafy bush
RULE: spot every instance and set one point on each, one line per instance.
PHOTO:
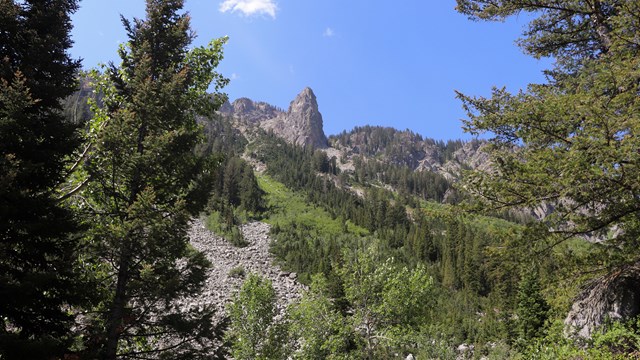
(254, 333)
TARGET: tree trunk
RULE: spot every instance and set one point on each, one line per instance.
(114, 323)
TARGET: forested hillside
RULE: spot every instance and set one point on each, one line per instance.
(122, 186)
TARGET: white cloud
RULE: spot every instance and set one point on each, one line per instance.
(234, 76)
(328, 32)
(250, 7)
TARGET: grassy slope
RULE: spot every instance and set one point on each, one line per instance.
(287, 206)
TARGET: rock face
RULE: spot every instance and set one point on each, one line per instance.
(615, 296)
(471, 156)
(250, 112)
(301, 124)
(406, 148)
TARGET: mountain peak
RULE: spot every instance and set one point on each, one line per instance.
(307, 93)
(301, 124)
(304, 121)
(304, 101)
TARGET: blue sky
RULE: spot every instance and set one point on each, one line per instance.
(390, 63)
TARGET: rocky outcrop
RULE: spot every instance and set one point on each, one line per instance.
(406, 148)
(615, 296)
(302, 123)
(249, 112)
(470, 156)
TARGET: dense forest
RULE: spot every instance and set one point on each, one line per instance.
(534, 255)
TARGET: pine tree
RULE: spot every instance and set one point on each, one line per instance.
(38, 251)
(145, 184)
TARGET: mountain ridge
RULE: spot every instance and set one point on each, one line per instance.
(302, 124)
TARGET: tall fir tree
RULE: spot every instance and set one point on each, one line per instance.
(144, 184)
(38, 249)
(532, 309)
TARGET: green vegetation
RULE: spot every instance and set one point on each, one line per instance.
(486, 294)
(94, 253)
(40, 275)
(227, 226)
(307, 238)
(253, 331)
(287, 207)
(453, 250)
(237, 271)
(580, 127)
(317, 323)
(141, 183)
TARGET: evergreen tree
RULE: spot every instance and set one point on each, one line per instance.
(571, 143)
(231, 181)
(532, 308)
(38, 251)
(251, 196)
(145, 184)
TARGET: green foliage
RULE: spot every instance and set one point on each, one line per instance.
(389, 302)
(619, 338)
(237, 271)
(569, 143)
(308, 241)
(143, 185)
(226, 225)
(287, 206)
(532, 309)
(235, 192)
(616, 341)
(40, 276)
(568, 30)
(319, 327)
(292, 166)
(387, 306)
(253, 331)
(424, 184)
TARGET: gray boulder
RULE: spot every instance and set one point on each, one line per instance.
(615, 296)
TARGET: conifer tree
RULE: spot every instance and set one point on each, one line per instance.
(251, 196)
(38, 252)
(571, 143)
(532, 308)
(144, 184)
